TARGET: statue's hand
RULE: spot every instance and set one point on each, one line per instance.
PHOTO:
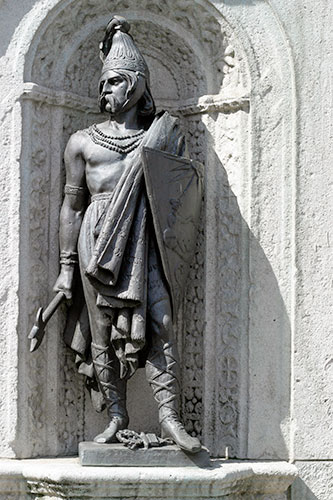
(64, 281)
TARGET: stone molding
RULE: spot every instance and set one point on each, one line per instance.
(219, 103)
(64, 478)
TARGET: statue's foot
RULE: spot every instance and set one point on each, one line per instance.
(117, 423)
(172, 428)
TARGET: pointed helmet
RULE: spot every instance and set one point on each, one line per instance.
(118, 50)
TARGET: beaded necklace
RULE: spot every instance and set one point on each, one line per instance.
(123, 144)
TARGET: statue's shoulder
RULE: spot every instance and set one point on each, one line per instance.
(77, 141)
(81, 135)
(76, 145)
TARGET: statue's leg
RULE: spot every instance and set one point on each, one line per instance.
(162, 364)
(106, 368)
(105, 361)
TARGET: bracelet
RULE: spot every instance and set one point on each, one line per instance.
(74, 190)
(69, 258)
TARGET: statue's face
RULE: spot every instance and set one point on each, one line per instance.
(113, 92)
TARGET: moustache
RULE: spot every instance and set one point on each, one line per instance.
(106, 98)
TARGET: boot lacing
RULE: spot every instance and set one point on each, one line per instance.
(171, 385)
(106, 374)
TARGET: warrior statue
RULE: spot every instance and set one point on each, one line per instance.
(128, 220)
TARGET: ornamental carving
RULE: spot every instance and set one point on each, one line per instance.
(38, 268)
(217, 42)
(172, 60)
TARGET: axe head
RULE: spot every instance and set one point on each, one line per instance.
(37, 332)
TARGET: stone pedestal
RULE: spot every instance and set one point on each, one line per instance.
(56, 479)
(117, 455)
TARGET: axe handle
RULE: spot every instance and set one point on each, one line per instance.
(53, 306)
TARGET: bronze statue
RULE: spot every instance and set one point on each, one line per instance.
(128, 220)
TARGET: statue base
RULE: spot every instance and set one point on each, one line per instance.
(118, 455)
(59, 478)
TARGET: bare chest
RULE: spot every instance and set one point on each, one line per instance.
(105, 164)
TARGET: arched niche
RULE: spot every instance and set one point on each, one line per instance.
(223, 88)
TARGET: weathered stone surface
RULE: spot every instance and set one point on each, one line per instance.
(65, 478)
(315, 481)
(311, 319)
(115, 455)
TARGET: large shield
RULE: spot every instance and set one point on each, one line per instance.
(174, 188)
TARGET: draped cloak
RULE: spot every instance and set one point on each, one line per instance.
(126, 234)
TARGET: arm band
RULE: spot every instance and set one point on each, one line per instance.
(69, 258)
(74, 190)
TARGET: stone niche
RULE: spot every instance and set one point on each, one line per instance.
(230, 82)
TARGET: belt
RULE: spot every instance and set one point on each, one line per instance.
(100, 196)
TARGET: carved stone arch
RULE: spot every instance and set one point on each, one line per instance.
(189, 78)
(236, 120)
(48, 57)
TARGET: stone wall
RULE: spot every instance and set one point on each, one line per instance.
(251, 81)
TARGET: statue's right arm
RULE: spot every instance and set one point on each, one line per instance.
(71, 213)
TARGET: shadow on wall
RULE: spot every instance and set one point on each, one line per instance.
(299, 491)
(253, 338)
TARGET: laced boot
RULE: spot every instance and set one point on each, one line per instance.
(161, 371)
(106, 367)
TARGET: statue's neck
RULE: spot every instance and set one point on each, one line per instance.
(122, 122)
